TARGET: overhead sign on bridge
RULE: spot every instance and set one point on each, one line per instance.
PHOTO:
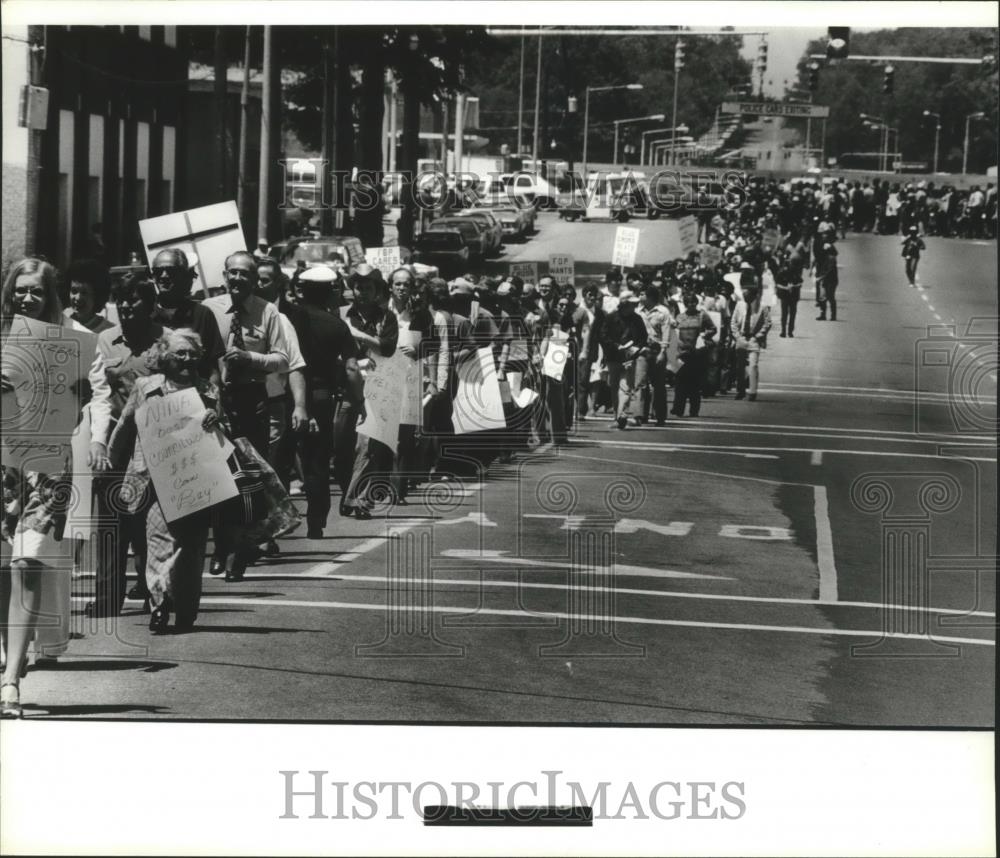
(776, 108)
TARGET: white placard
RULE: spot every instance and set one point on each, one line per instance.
(385, 259)
(187, 464)
(626, 246)
(562, 267)
(478, 405)
(556, 355)
(384, 381)
(44, 366)
(527, 271)
(411, 412)
(210, 232)
(687, 232)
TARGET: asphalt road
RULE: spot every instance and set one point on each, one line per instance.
(822, 556)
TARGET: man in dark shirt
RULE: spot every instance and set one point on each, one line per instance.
(332, 375)
(175, 308)
(624, 337)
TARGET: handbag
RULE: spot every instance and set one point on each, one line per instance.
(249, 506)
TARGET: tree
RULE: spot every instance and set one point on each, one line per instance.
(954, 91)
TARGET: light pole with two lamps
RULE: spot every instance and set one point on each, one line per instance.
(656, 117)
(937, 134)
(586, 113)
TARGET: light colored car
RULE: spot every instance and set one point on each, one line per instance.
(516, 222)
(451, 239)
(491, 226)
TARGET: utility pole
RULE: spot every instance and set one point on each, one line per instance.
(459, 131)
(327, 134)
(241, 182)
(264, 188)
(520, 104)
(221, 125)
(393, 121)
(538, 103)
(445, 119)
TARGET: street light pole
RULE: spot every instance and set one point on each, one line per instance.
(645, 134)
(520, 103)
(657, 117)
(586, 114)
(673, 119)
(937, 135)
(965, 149)
(538, 101)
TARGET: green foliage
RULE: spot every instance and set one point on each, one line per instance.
(854, 87)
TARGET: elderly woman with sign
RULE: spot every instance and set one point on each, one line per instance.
(175, 550)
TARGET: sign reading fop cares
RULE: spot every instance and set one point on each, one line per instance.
(765, 108)
(211, 233)
(626, 246)
(385, 259)
(562, 267)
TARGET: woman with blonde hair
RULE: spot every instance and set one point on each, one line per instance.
(34, 503)
(175, 550)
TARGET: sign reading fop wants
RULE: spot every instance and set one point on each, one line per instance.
(562, 267)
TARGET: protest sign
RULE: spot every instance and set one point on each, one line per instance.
(44, 367)
(687, 232)
(626, 246)
(384, 381)
(385, 259)
(478, 405)
(770, 238)
(556, 355)
(562, 267)
(211, 233)
(187, 463)
(527, 271)
(411, 412)
(711, 255)
(518, 350)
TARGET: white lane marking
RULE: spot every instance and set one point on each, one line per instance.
(924, 296)
(619, 568)
(931, 308)
(926, 399)
(884, 392)
(395, 527)
(851, 431)
(816, 458)
(683, 448)
(671, 448)
(859, 435)
(667, 594)
(564, 615)
(824, 546)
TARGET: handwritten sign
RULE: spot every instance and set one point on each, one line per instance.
(527, 271)
(411, 412)
(556, 355)
(384, 393)
(211, 233)
(478, 405)
(626, 246)
(385, 259)
(687, 232)
(562, 267)
(187, 464)
(43, 368)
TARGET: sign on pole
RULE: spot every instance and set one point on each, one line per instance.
(626, 246)
(211, 233)
(687, 232)
(765, 108)
(186, 462)
(385, 259)
(527, 271)
(562, 267)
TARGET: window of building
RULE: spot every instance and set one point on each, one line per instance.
(170, 36)
(146, 34)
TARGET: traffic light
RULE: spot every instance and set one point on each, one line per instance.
(813, 77)
(888, 80)
(679, 55)
(762, 56)
(838, 47)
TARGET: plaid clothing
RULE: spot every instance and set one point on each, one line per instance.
(34, 501)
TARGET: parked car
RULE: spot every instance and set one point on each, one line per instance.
(451, 240)
(316, 251)
(517, 222)
(491, 225)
